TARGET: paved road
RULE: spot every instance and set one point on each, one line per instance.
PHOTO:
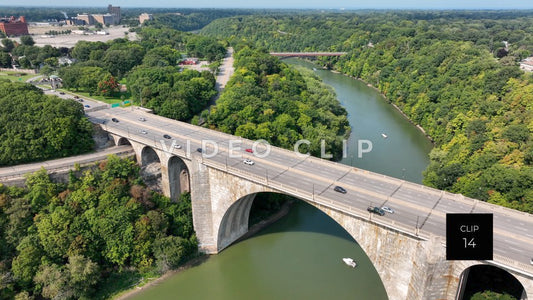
(8, 173)
(414, 205)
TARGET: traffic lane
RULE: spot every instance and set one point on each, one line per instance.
(450, 205)
(316, 168)
(519, 225)
(426, 200)
(376, 186)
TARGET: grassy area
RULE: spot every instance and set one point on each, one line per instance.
(108, 100)
(16, 76)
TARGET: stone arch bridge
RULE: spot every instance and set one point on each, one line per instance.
(406, 248)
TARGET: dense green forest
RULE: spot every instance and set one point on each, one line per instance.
(267, 99)
(450, 72)
(79, 240)
(38, 127)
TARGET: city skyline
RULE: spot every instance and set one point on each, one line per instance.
(292, 4)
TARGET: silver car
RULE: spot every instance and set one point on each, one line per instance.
(388, 209)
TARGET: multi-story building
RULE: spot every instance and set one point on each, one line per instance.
(87, 18)
(11, 26)
(145, 17)
(105, 19)
(115, 11)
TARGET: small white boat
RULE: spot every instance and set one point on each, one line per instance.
(350, 262)
(384, 135)
(314, 69)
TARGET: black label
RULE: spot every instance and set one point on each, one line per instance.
(469, 236)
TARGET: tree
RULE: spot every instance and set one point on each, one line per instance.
(108, 86)
(8, 45)
(171, 251)
(27, 40)
(26, 263)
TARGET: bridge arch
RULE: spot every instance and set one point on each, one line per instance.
(178, 177)
(148, 156)
(235, 221)
(122, 141)
(481, 277)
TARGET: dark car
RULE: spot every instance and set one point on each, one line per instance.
(87, 105)
(376, 210)
(199, 150)
(61, 93)
(114, 120)
(339, 189)
(167, 136)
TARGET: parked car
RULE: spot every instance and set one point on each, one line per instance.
(114, 120)
(339, 189)
(79, 99)
(376, 210)
(61, 93)
(249, 150)
(76, 97)
(167, 136)
(199, 150)
(177, 146)
(387, 209)
(248, 162)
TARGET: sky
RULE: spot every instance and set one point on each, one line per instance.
(325, 4)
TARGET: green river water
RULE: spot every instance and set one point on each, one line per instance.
(299, 257)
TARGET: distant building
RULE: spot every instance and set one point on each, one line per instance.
(11, 26)
(75, 22)
(145, 17)
(527, 64)
(87, 18)
(107, 19)
(115, 11)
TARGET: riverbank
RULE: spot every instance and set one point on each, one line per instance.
(284, 210)
(137, 289)
(420, 128)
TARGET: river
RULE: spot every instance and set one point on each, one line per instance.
(299, 257)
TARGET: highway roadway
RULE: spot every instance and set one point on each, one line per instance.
(9, 173)
(414, 205)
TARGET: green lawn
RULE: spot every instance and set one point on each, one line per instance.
(16, 76)
(108, 100)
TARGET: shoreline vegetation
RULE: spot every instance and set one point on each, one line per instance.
(196, 261)
(418, 126)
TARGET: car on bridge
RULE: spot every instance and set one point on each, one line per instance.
(388, 209)
(199, 150)
(115, 120)
(249, 150)
(248, 162)
(376, 210)
(177, 146)
(340, 189)
(167, 136)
